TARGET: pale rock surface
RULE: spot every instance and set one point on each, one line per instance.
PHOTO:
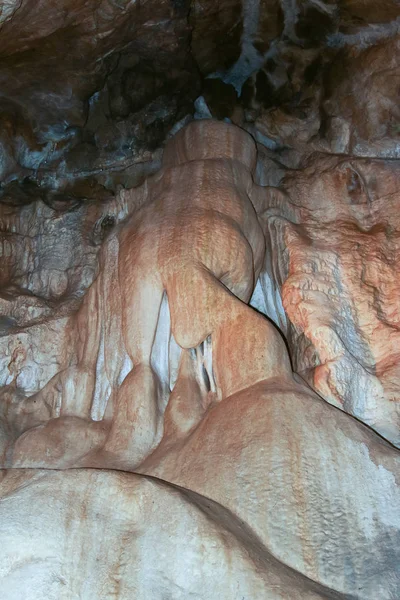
(319, 489)
(104, 534)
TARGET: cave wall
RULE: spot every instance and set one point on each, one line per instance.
(265, 423)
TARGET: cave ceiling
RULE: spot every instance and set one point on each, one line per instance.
(91, 90)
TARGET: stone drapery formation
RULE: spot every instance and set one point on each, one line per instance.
(218, 471)
(90, 91)
(175, 275)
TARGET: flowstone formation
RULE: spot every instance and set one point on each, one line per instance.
(199, 314)
(168, 449)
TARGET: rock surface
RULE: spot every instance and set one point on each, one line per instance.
(165, 394)
(334, 252)
(104, 534)
(156, 438)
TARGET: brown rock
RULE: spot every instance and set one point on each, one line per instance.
(362, 89)
(334, 243)
(254, 484)
(216, 34)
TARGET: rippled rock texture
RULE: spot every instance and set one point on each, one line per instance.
(199, 320)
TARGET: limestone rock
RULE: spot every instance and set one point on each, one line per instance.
(104, 534)
(155, 437)
(333, 235)
(361, 105)
(278, 458)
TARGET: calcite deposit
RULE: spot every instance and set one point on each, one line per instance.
(199, 314)
(333, 235)
(169, 373)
